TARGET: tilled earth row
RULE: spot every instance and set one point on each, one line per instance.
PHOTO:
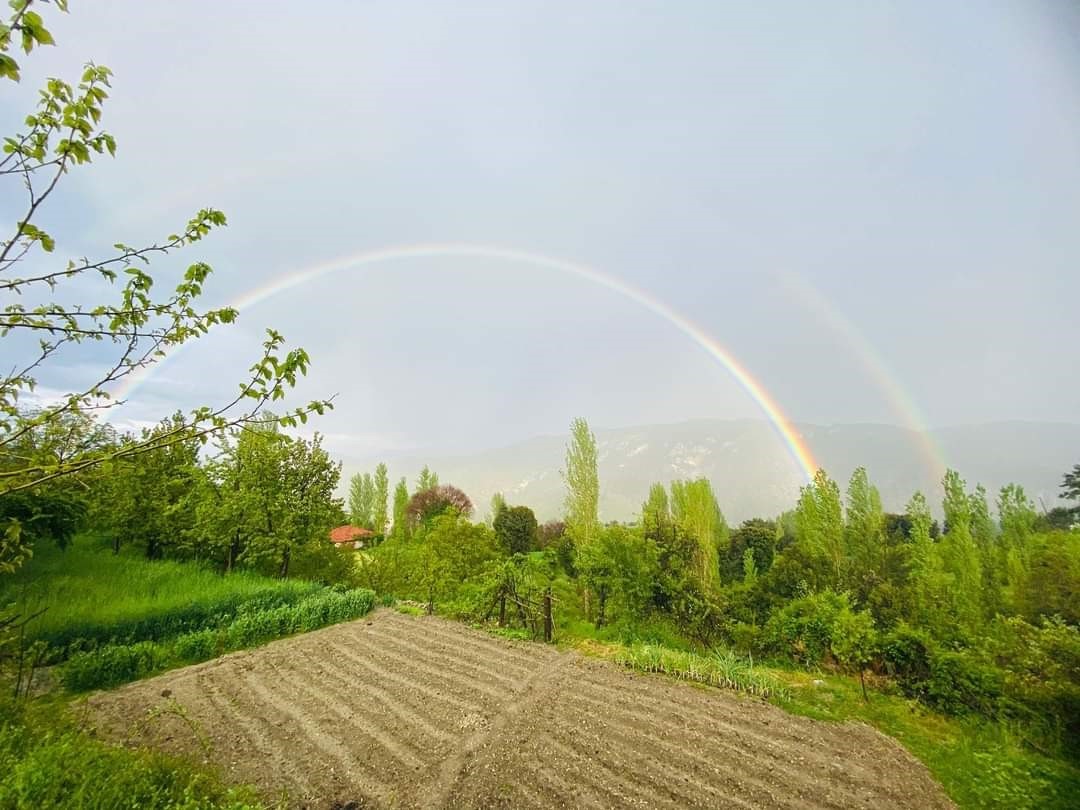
(401, 711)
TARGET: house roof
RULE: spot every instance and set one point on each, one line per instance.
(348, 533)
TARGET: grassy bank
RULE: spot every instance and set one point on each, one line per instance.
(88, 596)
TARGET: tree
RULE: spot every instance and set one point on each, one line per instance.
(429, 503)
(582, 485)
(757, 536)
(695, 508)
(1018, 518)
(401, 505)
(270, 494)
(819, 527)
(498, 504)
(362, 500)
(656, 511)
(515, 529)
(1070, 484)
(960, 555)
(864, 531)
(145, 499)
(381, 498)
(136, 324)
(426, 480)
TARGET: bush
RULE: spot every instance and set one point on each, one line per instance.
(201, 645)
(803, 629)
(111, 665)
(906, 654)
(961, 684)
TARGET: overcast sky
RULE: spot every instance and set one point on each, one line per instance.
(858, 200)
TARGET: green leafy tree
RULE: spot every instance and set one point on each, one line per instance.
(448, 551)
(515, 529)
(362, 500)
(582, 485)
(819, 528)
(270, 495)
(757, 536)
(1070, 484)
(656, 511)
(145, 499)
(400, 527)
(380, 500)
(426, 480)
(1017, 516)
(865, 532)
(960, 555)
(44, 316)
(695, 508)
(498, 505)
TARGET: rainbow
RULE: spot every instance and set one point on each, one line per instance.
(782, 425)
(904, 408)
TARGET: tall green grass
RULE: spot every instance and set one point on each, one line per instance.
(90, 597)
(46, 762)
(114, 664)
(722, 668)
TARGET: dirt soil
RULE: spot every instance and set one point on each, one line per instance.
(418, 712)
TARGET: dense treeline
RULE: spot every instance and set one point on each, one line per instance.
(258, 498)
(976, 615)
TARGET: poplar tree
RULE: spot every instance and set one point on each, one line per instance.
(380, 500)
(582, 485)
(865, 526)
(819, 527)
(400, 529)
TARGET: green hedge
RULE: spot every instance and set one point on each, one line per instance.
(114, 664)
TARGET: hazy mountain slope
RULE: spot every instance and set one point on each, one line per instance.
(751, 470)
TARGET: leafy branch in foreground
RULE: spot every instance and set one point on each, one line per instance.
(64, 132)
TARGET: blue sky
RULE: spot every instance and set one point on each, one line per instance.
(915, 164)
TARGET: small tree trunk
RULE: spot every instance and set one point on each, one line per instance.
(285, 557)
(502, 609)
(116, 544)
(601, 597)
(862, 680)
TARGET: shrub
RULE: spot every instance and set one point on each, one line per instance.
(803, 629)
(201, 645)
(961, 684)
(111, 665)
(723, 668)
(906, 654)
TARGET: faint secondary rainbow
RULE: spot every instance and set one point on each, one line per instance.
(903, 406)
(783, 426)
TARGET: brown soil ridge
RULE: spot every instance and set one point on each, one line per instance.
(398, 711)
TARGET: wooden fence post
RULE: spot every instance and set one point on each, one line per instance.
(548, 623)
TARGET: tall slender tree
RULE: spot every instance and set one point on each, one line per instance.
(380, 500)
(362, 500)
(582, 485)
(400, 528)
(819, 527)
(426, 480)
(865, 527)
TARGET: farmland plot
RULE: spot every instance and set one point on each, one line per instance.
(417, 712)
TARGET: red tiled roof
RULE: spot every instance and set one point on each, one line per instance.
(349, 533)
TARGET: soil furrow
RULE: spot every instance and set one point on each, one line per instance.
(405, 712)
(382, 739)
(318, 739)
(788, 751)
(389, 674)
(678, 765)
(498, 688)
(760, 765)
(474, 641)
(490, 670)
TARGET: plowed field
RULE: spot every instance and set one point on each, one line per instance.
(418, 712)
